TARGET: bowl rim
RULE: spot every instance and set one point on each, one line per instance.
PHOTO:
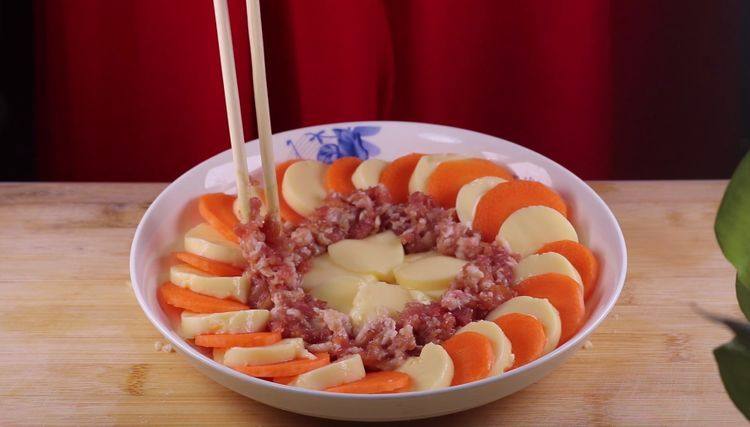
(191, 352)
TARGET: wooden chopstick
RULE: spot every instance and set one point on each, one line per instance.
(262, 112)
(234, 113)
(232, 99)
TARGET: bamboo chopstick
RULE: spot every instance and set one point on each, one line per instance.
(262, 113)
(232, 99)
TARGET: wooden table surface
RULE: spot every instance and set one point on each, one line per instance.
(77, 348)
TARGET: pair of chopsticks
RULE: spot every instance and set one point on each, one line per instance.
(234, 114)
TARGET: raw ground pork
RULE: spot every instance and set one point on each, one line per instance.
(278, 256)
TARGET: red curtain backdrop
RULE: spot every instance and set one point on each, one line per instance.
(131, 90)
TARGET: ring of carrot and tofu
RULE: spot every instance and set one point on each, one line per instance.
(361, 294)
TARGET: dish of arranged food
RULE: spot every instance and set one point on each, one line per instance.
(431, 268)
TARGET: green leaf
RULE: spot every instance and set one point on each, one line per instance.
(743, 298)
(732, 225)
(733, 359)
(732, 229)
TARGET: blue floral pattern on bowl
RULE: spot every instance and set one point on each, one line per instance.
(328, 146)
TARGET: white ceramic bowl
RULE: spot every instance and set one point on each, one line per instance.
(174, 211)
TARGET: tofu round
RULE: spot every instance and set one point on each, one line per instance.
(368, 173)
(303, 186)
(528, 229)
(419, 255)
(469, 195)
(282, 351)
(339, 292)
(433, 369)
(425, 166)
(375, 298)
(549, 262)
(203, 240)
(377, 255)
(235, 288)
(342, 371)
(323, 270)
(541, 309)
(429, 273)
(231, 322)
(501, 345)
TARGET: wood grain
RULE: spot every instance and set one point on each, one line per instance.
(78, 350)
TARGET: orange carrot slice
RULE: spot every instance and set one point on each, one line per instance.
(286, 211)
(195, 302)
(526, 335)
(209, 266)
(582, 259)
(497, 204)
(286, 369)
(284, 380)
(339, 175)
(448, 178)
(216, 209)
(472, 356)
(397, 174)
(563, 293)
(173, 313)
(399, 390)
(375, 382)
(255, 339)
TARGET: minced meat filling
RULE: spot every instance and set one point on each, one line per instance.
(278, 256)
